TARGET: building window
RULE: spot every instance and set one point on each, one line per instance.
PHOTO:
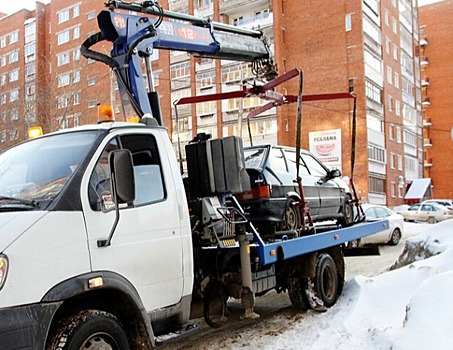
(373, 92)
(348, 22)
(14, 114)
(14, 75)
(397, 108)
(396, 80)
(388, 44)
(63, 80)
(13, 56)
(14, 37)
(389, 75)
(91, 103)
(400, 162)
(387, 18)
(394, 25)
(30, 70)
(180, 70)
(76, 98)
(3, 41)
(376, 154)
(3, 79)
(3, 61)
(62, 101)
(390, 103)
(91, 81)
(62, 59)
(76, 55)
(63, 16)
(63, 37)
(391, 132)
(30, 50)
(30, 32)
(376, 185)
(76, 32)
(14, 95)
(3, 99)
(76, 11)
(398, 134)
(76, 76)
(238, 21)
(393, 189)
(392, 160)
(13, 134)
(91, 15)
(205, 109)
(395, 52)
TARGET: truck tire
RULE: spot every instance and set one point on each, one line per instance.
(214, 307)
(89, 329)
(322, 290)
(291, 217)
(296, 292)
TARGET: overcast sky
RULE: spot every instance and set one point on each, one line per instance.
(11, 6)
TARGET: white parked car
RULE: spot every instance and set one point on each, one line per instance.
(391, 235)
(445, 202)
(429, 212)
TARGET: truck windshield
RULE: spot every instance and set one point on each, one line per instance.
(38, 169)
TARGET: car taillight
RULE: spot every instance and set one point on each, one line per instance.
(255, 193)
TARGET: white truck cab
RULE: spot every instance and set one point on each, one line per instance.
(56, 212)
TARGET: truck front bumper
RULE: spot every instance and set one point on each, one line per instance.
(26, 327)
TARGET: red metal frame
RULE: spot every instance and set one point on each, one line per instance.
(266, 92)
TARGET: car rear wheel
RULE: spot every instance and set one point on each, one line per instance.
(347, 212)
(396, 236)
(432, 220)
(291, 217)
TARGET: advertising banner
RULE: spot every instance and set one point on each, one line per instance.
(326, 146)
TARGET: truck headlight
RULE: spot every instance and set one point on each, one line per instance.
(3, 269)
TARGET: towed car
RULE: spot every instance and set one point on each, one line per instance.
(274, 189)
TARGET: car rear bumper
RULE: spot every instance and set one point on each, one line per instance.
(26, 327)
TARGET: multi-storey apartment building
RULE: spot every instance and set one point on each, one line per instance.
(436, 50)
(367, 46)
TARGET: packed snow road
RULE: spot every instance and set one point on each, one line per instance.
(276, 312)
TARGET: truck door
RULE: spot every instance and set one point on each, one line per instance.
(146, 247)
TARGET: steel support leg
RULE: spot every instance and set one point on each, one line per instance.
(248, 297)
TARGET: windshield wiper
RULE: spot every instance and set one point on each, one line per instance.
(12, 200)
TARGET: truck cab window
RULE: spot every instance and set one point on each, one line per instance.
(99, 191)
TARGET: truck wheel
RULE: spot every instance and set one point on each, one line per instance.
(214, 307)
(90, 329)
(322, 290)
(296, 292)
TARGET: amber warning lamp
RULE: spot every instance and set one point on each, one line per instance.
(34, 132)
(105, 114)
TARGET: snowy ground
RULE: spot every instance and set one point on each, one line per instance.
(408, 308)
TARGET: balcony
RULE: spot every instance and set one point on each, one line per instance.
(427, 143)
(425, 82)
(428, 163)
(424, 62)
(424, 42)
(426, 102)
(427, 122)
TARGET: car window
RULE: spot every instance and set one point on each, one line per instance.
(276, 160)
(290, 156)
(315, 168)
(254, 157)
(426, 207)
(380, 212)
(370, 213)
(414, 207)
(388, 211)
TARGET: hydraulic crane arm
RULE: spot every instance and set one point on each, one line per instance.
(136, 36)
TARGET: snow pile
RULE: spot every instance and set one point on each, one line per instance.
(406, 308)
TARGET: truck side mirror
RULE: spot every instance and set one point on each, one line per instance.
(123, 185)
(123, 175)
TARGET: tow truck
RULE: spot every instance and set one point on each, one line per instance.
(100, 245)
